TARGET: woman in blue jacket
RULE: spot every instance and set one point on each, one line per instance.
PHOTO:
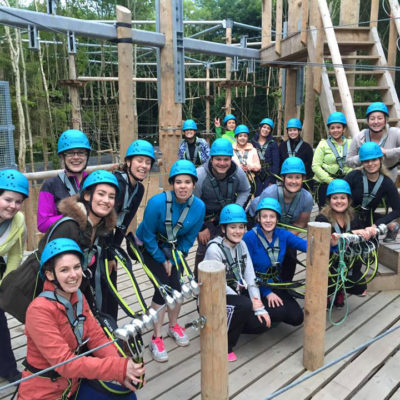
(267, 246)
(181, 214)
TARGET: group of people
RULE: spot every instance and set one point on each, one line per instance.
(245, 203)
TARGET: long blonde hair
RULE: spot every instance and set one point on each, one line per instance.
(329, 213)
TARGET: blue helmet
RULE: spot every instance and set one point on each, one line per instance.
(377, 106)
(241, 129)
(337, 117)
(232, 213)
(369, 151)
(73, 139)
(56, 247)
(221, 147)
(267, 121)
(189, 124)
(15, 181)
(182, 167)
(229, 117)
(98, 177)
(269, 203)
(141, 148)
(293, 165)
(338, 186)
(294, 123)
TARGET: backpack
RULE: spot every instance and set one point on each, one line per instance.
(22, 285)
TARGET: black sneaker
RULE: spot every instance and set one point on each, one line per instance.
(392, 233)
(13, 376)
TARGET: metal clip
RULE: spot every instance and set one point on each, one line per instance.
(197, 324)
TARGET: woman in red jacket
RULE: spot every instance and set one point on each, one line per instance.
(52, 338)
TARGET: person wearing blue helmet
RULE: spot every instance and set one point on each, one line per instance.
(221, 182)
(171, 221)
(371, 188)
(267, 246)
(73, 150)
(229, 124)
(139, 159)
(246, 312)
(14, 189)
(329, 160)
(378, 131)
(193, 148)
(58, 324)
(296, 203)
(295, 146)
(340, 214)
(268, 153)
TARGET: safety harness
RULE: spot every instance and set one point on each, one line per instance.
(217, 190)
(197, 159)
(242, 158)
(287, 211)
(296, 149)
(382, 141)
(128, 199)
(339, 159)
(367, 196)
(67, 183)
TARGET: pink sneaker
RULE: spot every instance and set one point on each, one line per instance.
(178, 334)
(232, 357)
(157, 350)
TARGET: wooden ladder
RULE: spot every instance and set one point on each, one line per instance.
(360, 46)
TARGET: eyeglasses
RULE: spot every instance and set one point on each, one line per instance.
(80, 154)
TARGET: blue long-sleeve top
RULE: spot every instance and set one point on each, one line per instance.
(259, 255)
(154, 223)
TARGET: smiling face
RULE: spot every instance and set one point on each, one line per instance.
(376, 121)
(139, 166)
(68, 272)
(234, 232)
(189, 134)
(336, 130)
(293, 133)
(75, 160)
(230, 125)
(268, 220)
(103, 200)
(372, 166)
(10, 204)
(293, 182)
(183, 187)
(221, 164)
(265, 130)
(242, 139)
(339, 202)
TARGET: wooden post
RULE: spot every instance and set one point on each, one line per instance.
(309, 107)
(318, 246)
(395, 12)
(304, 22)
(125, 83)
(170, 113)
(74, 95)
(316, 22)
(228, 67)
(208, 123)
(266, 23)
(374, 13)
(345, 95)
(392, 48)
(213, 337)
(278, 26)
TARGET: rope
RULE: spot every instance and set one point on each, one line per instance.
(317, 371)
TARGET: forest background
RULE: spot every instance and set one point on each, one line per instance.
(40, 100)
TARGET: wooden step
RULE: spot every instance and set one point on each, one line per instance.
(356, 44)
(380, 88)
(366, 104)
(356, 57)
(375, 72)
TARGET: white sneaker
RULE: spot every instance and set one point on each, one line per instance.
(179, 335)
(157, 350)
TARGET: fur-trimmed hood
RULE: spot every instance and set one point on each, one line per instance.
(71, 207)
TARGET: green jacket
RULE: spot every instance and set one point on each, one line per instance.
(13, 245)
(230, 135)
(324, 164)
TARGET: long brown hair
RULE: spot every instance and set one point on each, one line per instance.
(329, 213)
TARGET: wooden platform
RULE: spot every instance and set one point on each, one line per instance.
(273, 360)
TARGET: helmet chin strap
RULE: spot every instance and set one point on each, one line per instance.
(374, 131)
(297, 191)
(91, 209)
(227, 238)
(74, 172)
(132, 175)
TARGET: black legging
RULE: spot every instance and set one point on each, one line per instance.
(289, 313)
(159, 272)
(289, 263)
(241, 319)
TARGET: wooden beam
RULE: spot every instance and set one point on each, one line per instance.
(228, 67)
(138, 79)
(125, 85)
(318, 56)
(392, 48)
(266, 23)
(278, 26)
(208, 118)
(170, 113)
(74, 95)
(213, 337)
(309, 107)
(374, 13)
(304, 22)
(290, 94)
(395, 13)
(344, 90)
(318, 239)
